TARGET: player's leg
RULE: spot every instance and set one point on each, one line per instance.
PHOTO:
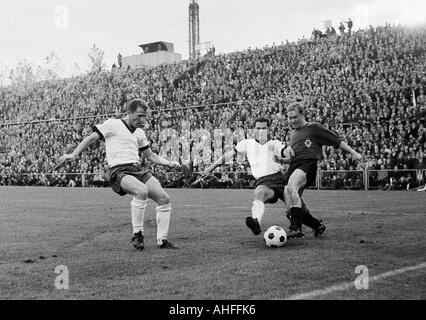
(309, 220)
(305, 209)
(296, 182)
(311, 170)
(133, 186)
(163, 210)
(262, 194)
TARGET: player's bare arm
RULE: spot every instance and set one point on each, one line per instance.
(345, 147)
(155, 158)
(219, 162)
(288, 154)
(80, 148)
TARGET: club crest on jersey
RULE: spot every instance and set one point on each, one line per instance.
(308, 143)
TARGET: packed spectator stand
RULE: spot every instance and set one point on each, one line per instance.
(369, 87)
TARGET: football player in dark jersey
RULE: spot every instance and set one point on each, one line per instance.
(306, 141)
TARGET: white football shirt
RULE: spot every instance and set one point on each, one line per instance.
(262, 158)
(122, 143)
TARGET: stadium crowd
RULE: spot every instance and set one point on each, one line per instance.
(368, 86)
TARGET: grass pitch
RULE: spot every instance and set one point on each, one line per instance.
(89, 231)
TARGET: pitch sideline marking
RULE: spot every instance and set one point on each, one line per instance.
(349, 285)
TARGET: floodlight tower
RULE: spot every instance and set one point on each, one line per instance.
(194, 28)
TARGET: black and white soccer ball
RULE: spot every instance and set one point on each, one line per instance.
(275, 237)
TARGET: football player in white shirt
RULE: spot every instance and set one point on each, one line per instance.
(123, 140)
(262, 156)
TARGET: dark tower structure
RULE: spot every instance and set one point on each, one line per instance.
(194, 28)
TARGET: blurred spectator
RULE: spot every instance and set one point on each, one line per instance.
(342, 29)
(350, 25)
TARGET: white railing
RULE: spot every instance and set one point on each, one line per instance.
(402, 179)
(367, 179)
(326, 179)
(341, 179)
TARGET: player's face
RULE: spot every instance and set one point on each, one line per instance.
(295, 119)
(261, 130)
(138, 118)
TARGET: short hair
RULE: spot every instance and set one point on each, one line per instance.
(134, 104)
(296, 106)
(261, 119)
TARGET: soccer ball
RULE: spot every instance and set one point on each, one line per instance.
(275, 237)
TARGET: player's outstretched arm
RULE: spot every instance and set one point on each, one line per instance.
(219, 162)
(80, 148)
(345, 147)
(155, 158)
(286, 155)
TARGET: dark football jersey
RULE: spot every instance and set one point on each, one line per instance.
(308, 140)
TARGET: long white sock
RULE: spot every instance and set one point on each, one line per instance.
(138, 213)
(163, 222)
(257, 210)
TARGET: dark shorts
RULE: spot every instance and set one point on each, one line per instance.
(308, 166)
(116, 174)
(276, 182)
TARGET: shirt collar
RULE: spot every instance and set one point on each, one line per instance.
(130, 128)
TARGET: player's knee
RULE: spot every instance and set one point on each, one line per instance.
(141, 193)
(260, 194)
(286, 193)
(291, 189)
(163, 199)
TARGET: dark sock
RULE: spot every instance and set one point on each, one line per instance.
(309, 220)
(296, 217)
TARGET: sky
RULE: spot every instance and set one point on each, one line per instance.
(32, 29)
